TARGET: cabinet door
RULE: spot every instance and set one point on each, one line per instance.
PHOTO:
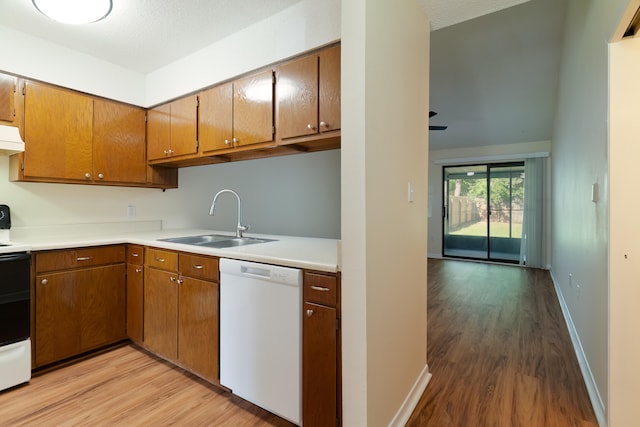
(101, 299)
(184, 123)
(198, 327)
(297, 93)
(215, 127)
(135, 301)
(253, 109)
(78, 310)
(7, 98)
(58, 133)
(161, 312)
(57, 318)
(119, 143)
(329, 102)
(319, 355)
(158, 132)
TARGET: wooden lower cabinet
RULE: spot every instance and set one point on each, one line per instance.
(161, 312)
(135, 293)
(321, 375)
(181, 306)
(198, 327)
(77, 311)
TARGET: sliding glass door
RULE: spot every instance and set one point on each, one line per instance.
(483, 211)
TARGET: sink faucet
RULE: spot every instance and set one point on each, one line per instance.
(239, 228)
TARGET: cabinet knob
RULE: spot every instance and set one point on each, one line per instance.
(235, 140)
(324, 124)
(100, 176)
(309, 313)
(180, 281)
(44, 281)
(166, 152)
(170, 151)
(310, 126)
(227, 142)
(138, 270)
(172, 279)
(87, 175)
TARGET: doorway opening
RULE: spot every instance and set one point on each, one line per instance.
(483, 211)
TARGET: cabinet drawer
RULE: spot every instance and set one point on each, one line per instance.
(199, 267)
(79, 257)
(320, 289)
(135, 254)
(159, 258)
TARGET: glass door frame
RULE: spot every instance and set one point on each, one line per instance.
(446, 211)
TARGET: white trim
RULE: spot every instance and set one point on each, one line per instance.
(495, 158)
(412, 399)
(434, 255)
(590, 382)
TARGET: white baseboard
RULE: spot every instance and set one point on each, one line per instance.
(592, 389)
(410, 402)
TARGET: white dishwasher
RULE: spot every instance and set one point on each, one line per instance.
(261, 335)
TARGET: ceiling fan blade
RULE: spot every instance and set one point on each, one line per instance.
(438, 127)
(432, 113)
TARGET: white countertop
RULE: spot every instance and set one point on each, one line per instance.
(300, 252)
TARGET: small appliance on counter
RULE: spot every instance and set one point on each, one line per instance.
(5, 225)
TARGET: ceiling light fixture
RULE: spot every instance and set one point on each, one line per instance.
(74, 11)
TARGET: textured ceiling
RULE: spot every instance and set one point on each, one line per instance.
(144, 35)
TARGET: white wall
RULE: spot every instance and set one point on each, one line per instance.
(580, 235)
(624, 254)
(384, 147)
(486, 154)
(297, 195)
(307, 24)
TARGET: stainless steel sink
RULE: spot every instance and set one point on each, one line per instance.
(216, 240)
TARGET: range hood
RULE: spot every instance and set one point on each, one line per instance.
(10, 141)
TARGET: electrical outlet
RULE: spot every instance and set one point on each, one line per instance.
(131, 211)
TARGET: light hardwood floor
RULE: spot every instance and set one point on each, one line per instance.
(126, 387)
(498, 349)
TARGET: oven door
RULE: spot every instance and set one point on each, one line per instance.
(15, 306)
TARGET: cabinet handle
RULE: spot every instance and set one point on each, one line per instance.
(44, 281)
(324, 124)
(138, 270)
(227, 142)
(170, 151)
(87, 175)
(198, 266)
(135, 254)
(180, 281)
(159, 259)
(166, 152)
(84, 258)
(320, 288)
(309, 313)
(311, 127)
(235, 140)
(100, 176)
(172, 279)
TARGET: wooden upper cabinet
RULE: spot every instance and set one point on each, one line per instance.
(184, 126)
(237, 113)
(329, 92)
(7, 98)
(119, 142)
(58, 133)
(215, 124)
(308, 93)
(253, 109)
(172, 129)
(158, 132)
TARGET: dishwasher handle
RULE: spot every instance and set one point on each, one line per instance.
(261, 273)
